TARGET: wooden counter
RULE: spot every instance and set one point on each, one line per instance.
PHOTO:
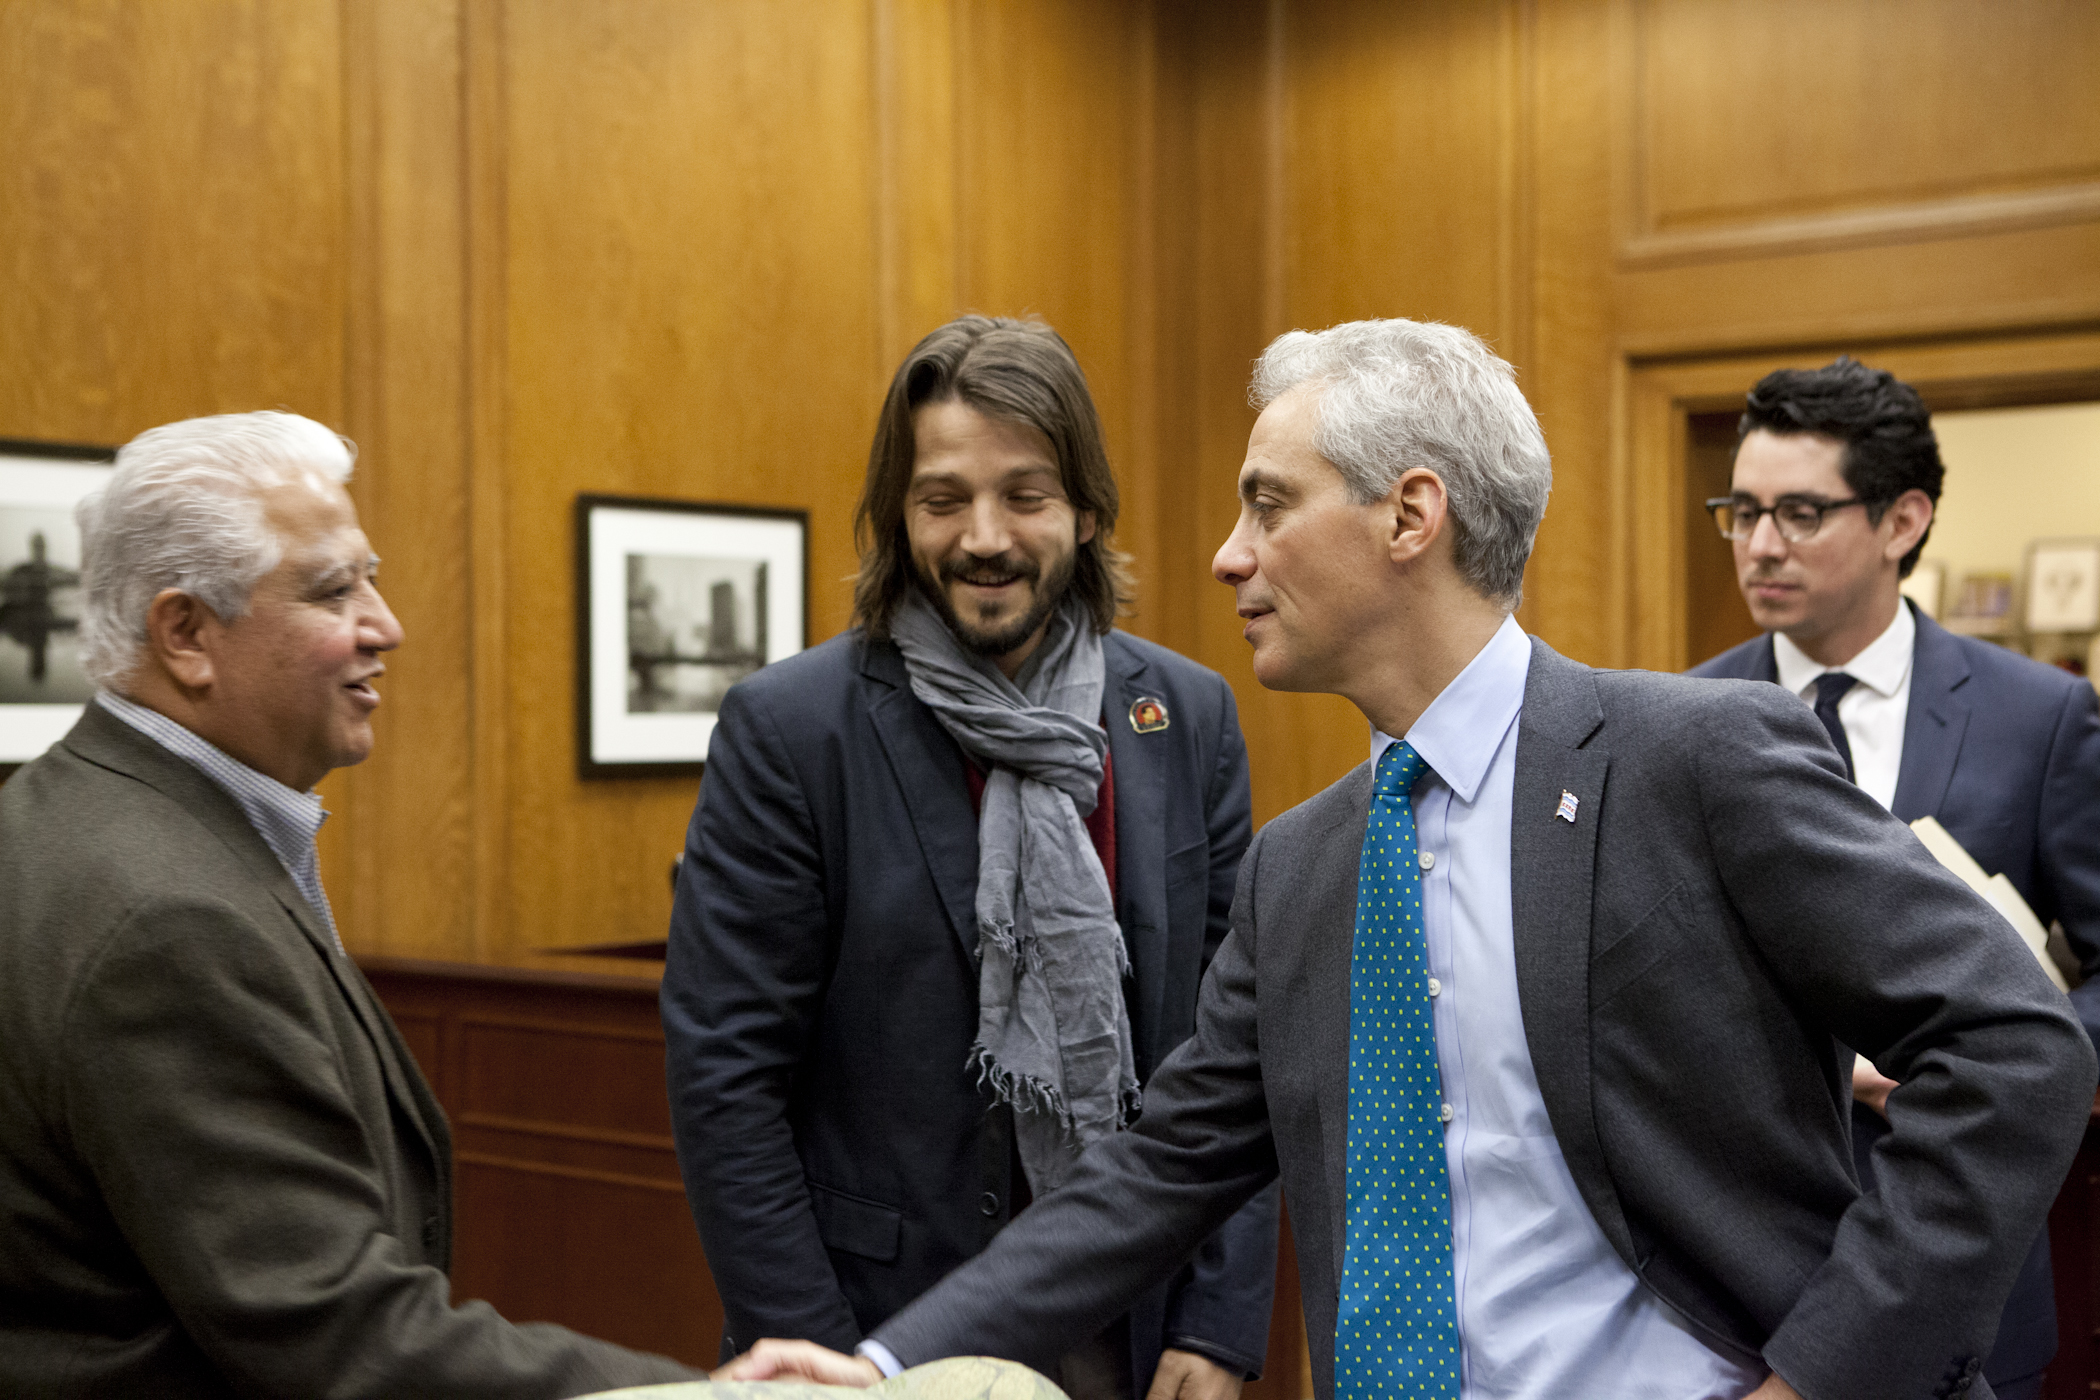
(568, 1200)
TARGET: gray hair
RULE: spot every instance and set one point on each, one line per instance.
(185, 511)
(1402, 394)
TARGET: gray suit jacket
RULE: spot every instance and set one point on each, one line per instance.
(1723, 906)
(221, 1172)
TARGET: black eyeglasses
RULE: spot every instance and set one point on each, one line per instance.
(1798, 517)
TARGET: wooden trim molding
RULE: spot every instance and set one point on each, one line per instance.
(1857, 228)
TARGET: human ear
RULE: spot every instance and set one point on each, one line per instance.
(1909, 516)
(176, 637)
(1083, 529)
(1418, 507)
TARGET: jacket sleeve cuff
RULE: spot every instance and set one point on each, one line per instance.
(885, 1360)
(1239, 1363)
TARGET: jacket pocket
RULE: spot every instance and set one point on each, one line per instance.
(1654, 936)
(855, 1226)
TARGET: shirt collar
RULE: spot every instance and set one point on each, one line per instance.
(1458, 735)
(1882, 666)
(286, 819)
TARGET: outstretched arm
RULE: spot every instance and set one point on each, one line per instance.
(1134, 1207)
(213, 1075)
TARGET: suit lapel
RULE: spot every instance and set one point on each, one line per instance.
(1938, 718)
(1334, 856)
(1765, 663)
(1141, 829)
(1552, 872)
(104, 739)
(928, 769)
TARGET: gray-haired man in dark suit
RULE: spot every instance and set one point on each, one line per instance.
(1535, 1014)
(221, 1172)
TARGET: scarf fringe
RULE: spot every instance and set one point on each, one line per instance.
(1025, 1092)
(1028, 1094)
(1027, 953)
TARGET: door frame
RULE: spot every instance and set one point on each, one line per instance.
(2003, 370)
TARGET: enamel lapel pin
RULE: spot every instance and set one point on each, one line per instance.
(1148, 714)
(1568, 803)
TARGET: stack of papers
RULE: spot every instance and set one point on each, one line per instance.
(1996, 890)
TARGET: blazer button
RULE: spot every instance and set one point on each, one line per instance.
(988, 1203)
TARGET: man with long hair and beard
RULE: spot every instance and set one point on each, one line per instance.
(950, 889)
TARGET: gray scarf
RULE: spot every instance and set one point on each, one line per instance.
(1053, 1034)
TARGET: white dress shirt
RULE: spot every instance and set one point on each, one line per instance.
(1546, 1308)
(1874, 711)
(287, 820)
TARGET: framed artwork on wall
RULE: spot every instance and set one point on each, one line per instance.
(42, 686)
(2063, 585)
(676, 602)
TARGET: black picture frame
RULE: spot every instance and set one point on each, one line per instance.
(28, 723)
(641, 562)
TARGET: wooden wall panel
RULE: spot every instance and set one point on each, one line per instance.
(1385, 104)
(690, 311)
(171, 201)
(1214, 133)
(1576, 587)
(401, 841)
(1052, 164)
(1798, 121)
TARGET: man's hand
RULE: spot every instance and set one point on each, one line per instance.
(773, 1360)
(1870, 1086)
(1774, 1389)
(1183, 1375)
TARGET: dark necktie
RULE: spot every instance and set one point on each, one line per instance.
(1830, 688)
(1396, 1333)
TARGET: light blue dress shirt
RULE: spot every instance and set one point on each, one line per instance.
(1546, 1308)
(286, 819)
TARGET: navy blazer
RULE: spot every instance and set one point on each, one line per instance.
(2005, 753)
(820, 994)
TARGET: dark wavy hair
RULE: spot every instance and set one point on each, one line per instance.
(1018, 371)
(1886, 432)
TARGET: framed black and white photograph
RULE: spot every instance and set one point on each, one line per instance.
(2063, 585)
(677, 602)
(42, 685)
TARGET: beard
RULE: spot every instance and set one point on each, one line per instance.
(996, 639)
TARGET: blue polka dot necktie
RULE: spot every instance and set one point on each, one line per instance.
(1397, 1331)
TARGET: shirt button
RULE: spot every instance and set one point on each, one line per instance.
(1449, 1113)
(1435, 987)
(1427, 860)
(988, 1203)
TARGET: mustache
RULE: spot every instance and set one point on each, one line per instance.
(1001, 568)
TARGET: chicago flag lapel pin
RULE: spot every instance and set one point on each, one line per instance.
(1568, 803)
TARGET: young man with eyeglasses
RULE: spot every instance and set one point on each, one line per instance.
(1837, 474)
